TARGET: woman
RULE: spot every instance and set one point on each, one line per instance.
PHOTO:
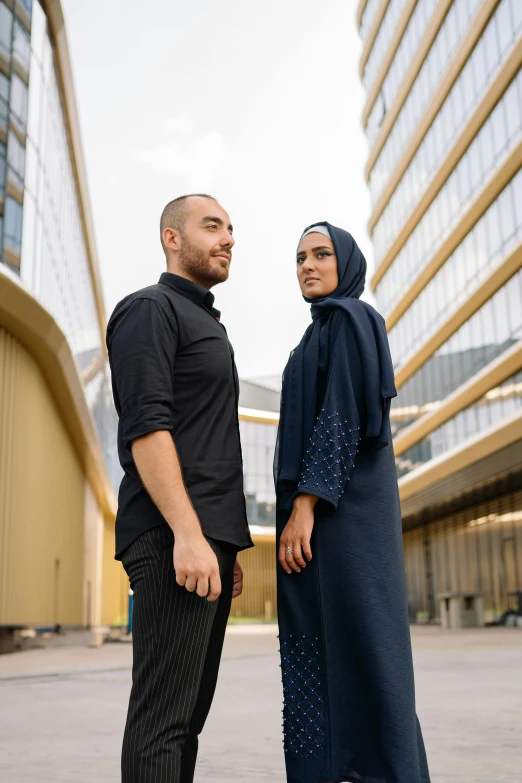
(349, 712)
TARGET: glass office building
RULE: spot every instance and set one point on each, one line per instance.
(58, 461)
(443, 118)
(258, 423)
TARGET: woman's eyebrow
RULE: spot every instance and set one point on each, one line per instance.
(315, 249)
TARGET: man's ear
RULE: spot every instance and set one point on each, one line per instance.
(171, 239)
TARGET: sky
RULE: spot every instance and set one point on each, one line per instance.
(258, 104)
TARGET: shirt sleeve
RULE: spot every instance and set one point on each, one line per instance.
(334, 443)
(142, 351)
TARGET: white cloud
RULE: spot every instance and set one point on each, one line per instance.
(182, 123)
(260, 109)
(196, 159)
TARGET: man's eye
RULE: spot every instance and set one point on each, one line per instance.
(212, 225)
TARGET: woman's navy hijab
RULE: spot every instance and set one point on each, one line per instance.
(300, 382)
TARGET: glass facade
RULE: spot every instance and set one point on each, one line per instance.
(43, 237)
(467, 243)
(491, 331)
(436, 64)
(482, 67)
(55, 261)
(490, 148)
(497, 404)
(401, 62)
(386, 30)
(486, 246)
(258, 440)
(368, 17)
(14, 79)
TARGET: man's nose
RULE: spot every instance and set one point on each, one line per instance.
(227, 240)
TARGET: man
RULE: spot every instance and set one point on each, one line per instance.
(181, 513)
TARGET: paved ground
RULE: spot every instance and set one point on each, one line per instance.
(62, 709)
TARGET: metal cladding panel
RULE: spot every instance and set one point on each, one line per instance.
(477, 551)
(42, 496)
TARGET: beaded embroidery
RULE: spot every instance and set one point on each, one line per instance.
(303, 713)
(330, 456)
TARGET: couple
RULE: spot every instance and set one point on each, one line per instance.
(349, 706)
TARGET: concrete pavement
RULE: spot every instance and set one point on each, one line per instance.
(62, 709)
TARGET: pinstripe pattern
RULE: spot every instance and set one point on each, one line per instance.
(178, 638)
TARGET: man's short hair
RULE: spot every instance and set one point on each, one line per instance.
(174, 214)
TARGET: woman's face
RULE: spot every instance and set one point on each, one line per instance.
(316, 266)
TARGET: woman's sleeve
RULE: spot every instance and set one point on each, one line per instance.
(330, 455)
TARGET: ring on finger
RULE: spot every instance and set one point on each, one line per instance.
(289, 550)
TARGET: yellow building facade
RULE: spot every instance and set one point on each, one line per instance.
(58, 466)
(443, 117)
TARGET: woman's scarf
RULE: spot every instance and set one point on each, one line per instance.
(299, 401)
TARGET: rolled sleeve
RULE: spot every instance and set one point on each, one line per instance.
(142, 350)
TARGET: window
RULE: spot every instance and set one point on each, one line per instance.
(21, 47)
(4, 101)
(504, 28)
(12, 226)
(3, 153)
(16, 155)
(19, 100)
(6, 31)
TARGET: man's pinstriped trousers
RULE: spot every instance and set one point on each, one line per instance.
(177, 644)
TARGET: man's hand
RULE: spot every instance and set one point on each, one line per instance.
(238, 580)
(294, 544)
(158, 464)
(196, 567)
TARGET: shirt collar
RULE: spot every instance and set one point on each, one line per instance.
(198, 293)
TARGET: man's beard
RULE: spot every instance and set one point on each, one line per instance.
(196, 263)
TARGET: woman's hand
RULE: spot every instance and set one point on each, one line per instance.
(296, 535)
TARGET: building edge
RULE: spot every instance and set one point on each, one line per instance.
(56, 20)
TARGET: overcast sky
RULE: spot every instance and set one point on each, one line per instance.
(257, 103)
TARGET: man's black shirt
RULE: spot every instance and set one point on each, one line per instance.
(173, 369)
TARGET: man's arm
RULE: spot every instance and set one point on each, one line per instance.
(195, 562)
(142, 350)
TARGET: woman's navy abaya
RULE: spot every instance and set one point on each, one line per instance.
(349, 700)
